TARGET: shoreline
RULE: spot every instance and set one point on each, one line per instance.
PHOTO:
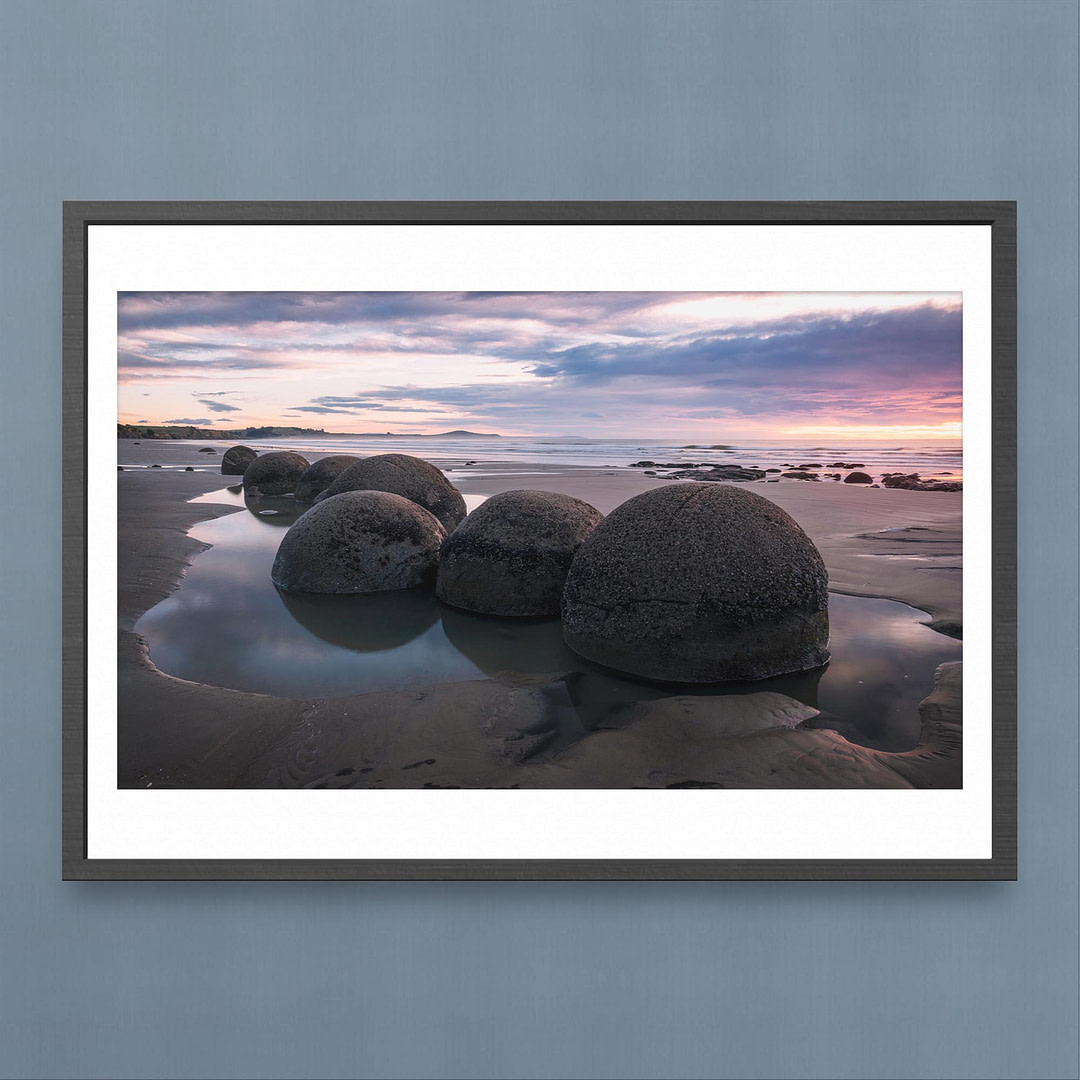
(205, 736)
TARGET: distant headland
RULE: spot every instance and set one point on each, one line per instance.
(179, 431)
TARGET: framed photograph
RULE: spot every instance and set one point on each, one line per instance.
(539, 540)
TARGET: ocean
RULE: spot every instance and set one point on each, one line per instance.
(928, 460)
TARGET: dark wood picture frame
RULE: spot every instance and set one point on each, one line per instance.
(999, 215)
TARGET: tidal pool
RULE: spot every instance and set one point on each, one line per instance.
(227, 625)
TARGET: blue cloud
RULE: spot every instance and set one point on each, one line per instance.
(142, 311)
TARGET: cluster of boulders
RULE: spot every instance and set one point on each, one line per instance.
(913, 482)
(680, 584)
(670, 464)
(735, 473)
(712, 471)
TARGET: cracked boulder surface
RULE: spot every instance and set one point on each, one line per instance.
(698, 585)
(359, 542)
(511, 555)
(410, 477)
(236, 459)
(274, 474)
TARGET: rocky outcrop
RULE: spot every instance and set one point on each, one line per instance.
(734, 473)
(698, 584)
(359, 542)
(858, 478)
(913, 482)
(511, 555)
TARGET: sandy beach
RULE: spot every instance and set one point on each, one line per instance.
(484, 733)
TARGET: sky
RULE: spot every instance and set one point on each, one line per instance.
(689, 367)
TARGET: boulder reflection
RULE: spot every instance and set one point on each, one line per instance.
(277, 510)
(374, 622)
(527, 647)
(498, 645)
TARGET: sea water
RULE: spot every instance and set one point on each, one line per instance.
(931, 461)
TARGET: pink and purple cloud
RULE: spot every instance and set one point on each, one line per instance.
(608, 364)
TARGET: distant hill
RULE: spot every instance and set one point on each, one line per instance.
(184, 431)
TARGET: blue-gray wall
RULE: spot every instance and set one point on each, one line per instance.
(545, 100)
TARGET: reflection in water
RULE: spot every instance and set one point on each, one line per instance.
(227, 625)
(279, 510)
(372, 623)
(515, 647)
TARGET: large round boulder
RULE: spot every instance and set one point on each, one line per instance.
(236, 459)
(319, 475)
(858, 478)
(274, 474)
(511, 555)
(359, 542)
(411, 477)
(698, 584)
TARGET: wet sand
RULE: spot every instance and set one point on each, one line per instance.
(488, 733)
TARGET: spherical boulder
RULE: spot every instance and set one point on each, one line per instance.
(411, 477)
(359, 542)
(274, 474)
(236, 459)
(858, 478)
(319, 475)
(511, 555)
(698, 584)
